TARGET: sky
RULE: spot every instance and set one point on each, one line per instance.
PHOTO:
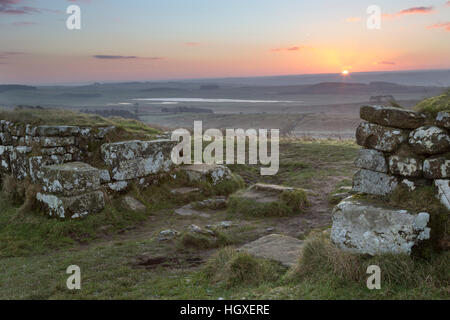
(137, 40)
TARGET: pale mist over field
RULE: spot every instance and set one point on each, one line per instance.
(317, 105)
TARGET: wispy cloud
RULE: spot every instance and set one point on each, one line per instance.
(192, 44)
(23, 23)
(294, 48)
(7, 54)
(389, 63)
(13, 7)
(117, 57)
(410, 11)
(444, 25)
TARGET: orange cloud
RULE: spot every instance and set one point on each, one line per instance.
(409, 11)
(353, 19)
(192, 44)
(443, 25)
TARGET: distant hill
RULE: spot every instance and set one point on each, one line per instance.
(15, 87)
(353, 88)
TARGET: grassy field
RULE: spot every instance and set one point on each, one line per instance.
(121, 258)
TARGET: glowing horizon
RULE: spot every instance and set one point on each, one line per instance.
(156, 40)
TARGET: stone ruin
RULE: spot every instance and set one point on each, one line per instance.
(400, 148)
(56, 158)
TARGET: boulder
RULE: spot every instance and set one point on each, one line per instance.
(443, 186)
(429, 140)
(381, 138)
(167, 235)
(133, 204)
(70, 178)
(365, 228)
(283, 249)
(372, 182)
(213, 173)
(443, 120)
(436, 168)
(392, 117)
(72, 207)
(135, 159)
(405, 166)
(371, 160)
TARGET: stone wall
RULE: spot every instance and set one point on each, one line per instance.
(402, 147)
(59, 160)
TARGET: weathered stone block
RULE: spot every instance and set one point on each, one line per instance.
(134, 159)
(118, 186)
(365, 228)
(443, 120)
(141, 167)
(429, 140)
(392, 117)
(213, 173)
(60, 131)
(49, 142)
(405, 166)
(436, 168)
(72, 207)
(53, 151)
(70, 178)
(381, 138)
(371, 160)
(30, 130)
(35, 164)
(105, 177)
(6, 138)
(5, 152)
(372, 182)
(443, 186)
(18, 160)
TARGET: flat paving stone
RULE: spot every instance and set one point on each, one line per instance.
(277, 247)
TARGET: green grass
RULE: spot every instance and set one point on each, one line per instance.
(230, 268)
(333, 274)
(431, 106)
(289, 203)
(36, 250)
(306, 164)
(126, 128)
(202, 241)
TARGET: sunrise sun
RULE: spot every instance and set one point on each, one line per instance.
(345, 72)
